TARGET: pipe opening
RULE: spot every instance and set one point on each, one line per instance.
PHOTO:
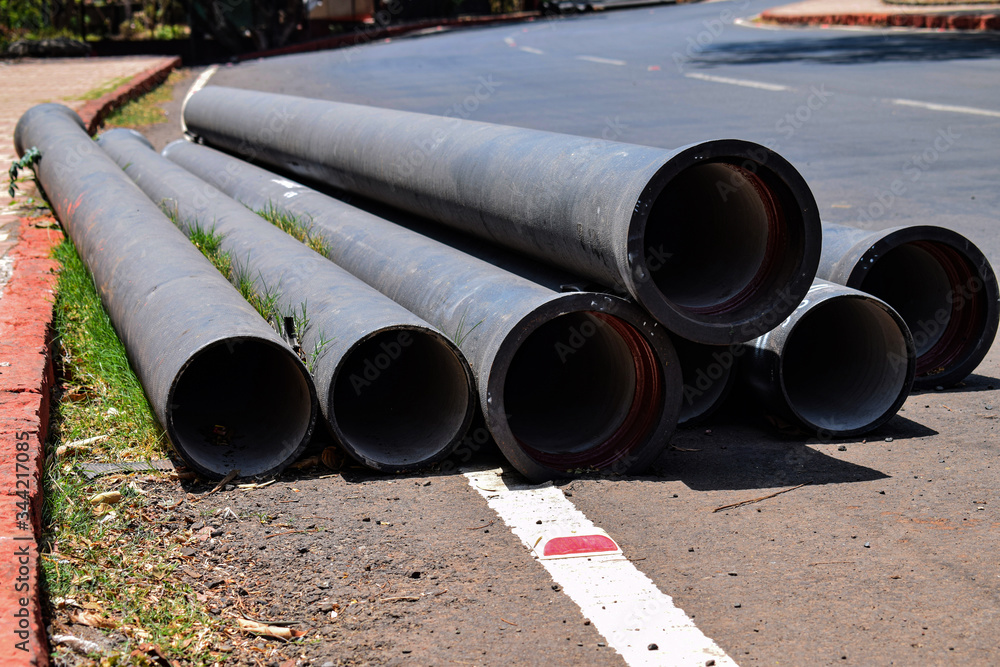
(718, 236)
(241, 404)
(707, 373)
(933, 287)
(583, 389)
(845, 365)
(401, 398)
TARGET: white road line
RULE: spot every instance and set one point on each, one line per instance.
(537, 52)
(198, 84)
(948, 107)
(603, 61)
(622, 603)
(509, 41)
(746, 83)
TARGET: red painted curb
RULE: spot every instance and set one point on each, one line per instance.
(937, 21)
(94, 112)
(26, 377)
(375, 32)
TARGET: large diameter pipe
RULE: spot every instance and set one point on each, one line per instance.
(710, 238)
(397, 394)
(567, 382)
(841, 365)
(709, 374)
(935, 278)
(230, 394)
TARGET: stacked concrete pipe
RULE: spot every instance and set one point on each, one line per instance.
(841, 365)
(938, 281)
(713, 239)
(229, 392)
(567, 382)
(396, 393)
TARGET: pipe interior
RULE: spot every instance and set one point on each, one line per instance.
(570, 385)
(401, 397)
(919, 280)
(241, 404)
(706, 371)
(714, 234)
(844, 365)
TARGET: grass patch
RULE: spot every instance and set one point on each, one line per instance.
(145, 110)
(101, 90)
(105, 394)
(110, 563)
(265, 302)
(209, 242)
(295, 227)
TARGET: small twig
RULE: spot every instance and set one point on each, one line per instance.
(277, 624)
(635, 560)
(757, 500)
(833, 562)
(284, 532)
(508, 622)
(404, 598)
(440, 593)
(233, 474)
(485, 525)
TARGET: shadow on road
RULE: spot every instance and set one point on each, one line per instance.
(874, 47)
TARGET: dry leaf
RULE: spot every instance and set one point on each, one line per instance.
(93, 620)
(63, 450)
(106, 498)
(305, 463)
(333, 458)
(255, 628)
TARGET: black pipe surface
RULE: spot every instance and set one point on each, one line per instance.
(709, 373)
(842, 364)
(935, 278)
(708, 238)
(397, 394)
(567, 382)
(230, 394)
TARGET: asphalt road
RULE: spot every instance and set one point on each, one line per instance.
(888, 554)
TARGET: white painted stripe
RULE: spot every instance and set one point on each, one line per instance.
(603, 61)
(948, 107)
(509, 41)
(622, 603)
(746, 83)
(198, 84)
(537, 52)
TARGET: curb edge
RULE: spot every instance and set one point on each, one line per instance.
(94, 112)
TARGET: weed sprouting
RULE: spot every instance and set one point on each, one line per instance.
(27, 161)
(293, 225)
